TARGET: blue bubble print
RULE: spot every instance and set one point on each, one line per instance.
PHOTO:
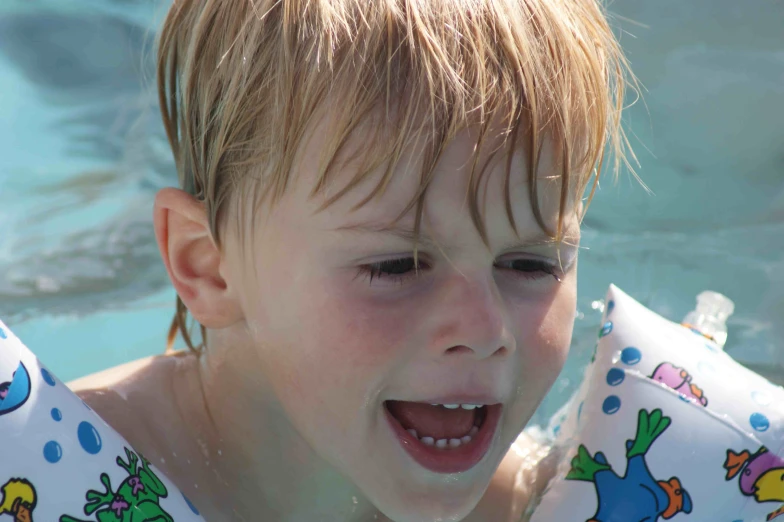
(580, 410)
(57, 414)
(193, 508)
(47, 377)
(89, 438)
(615, 376)
(706, 367)
(2, 334)
(606, 329)
(611, 404)
(759, 422)
(52, 451)
(610, 307)
(761, 398)
(631, 355)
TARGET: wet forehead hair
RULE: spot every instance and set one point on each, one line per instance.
(242, 81)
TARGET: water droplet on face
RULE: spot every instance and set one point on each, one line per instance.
(89, 438)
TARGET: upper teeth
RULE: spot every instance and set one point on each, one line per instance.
(456, 406)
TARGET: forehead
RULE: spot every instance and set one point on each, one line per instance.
(449, 189)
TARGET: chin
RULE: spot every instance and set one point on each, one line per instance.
(433, 508)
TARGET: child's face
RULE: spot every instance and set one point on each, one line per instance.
(475, 326)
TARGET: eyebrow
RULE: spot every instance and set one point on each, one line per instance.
(407, 234)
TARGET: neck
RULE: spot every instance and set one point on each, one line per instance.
(252, 457)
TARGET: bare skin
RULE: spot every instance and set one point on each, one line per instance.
(141, 382)
(281, 418)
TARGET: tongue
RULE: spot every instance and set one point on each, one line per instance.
(433, 421)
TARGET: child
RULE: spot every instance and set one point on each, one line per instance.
(377, 233)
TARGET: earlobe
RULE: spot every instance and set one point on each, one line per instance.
(192, 259)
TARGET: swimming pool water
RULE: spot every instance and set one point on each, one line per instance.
(82, 153)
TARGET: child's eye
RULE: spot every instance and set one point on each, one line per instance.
(395, 269)
(531, 268)
(398, 270)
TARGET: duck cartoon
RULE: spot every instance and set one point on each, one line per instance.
(637, 496)
(18, 499)
(761, 476)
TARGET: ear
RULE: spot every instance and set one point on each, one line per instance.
(192, 259)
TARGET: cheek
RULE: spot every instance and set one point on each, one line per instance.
(343, 346)
(363, 332)
(546, 333)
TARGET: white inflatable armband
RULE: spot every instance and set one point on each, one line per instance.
(667, 426)
(60, 462)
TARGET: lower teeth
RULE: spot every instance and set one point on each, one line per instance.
(445, 443)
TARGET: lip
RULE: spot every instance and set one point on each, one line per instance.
(457, 460)
(484, 400)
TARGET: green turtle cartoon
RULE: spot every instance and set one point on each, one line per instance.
(136, 499)
(637, 496)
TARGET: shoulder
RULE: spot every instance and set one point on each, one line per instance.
(522, 475)
(117, 376)
(123, 395)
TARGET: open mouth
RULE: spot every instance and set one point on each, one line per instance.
(444, 438)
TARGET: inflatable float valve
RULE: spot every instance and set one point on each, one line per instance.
(710, 316)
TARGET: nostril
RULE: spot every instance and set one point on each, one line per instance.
(465, 349)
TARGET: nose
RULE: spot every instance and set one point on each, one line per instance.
(471, 319)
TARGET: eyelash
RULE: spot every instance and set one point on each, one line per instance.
(381, 270)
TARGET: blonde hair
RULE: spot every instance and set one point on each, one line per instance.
(241, 81)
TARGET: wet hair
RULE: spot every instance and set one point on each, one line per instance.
(240, 83)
